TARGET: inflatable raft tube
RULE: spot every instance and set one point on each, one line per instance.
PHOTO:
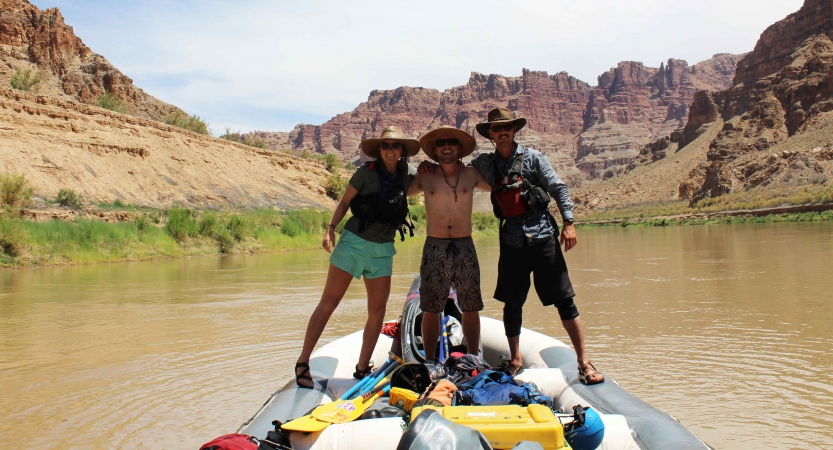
(629, 422)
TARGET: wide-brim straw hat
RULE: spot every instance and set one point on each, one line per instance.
(467, 141)
(370, 147)
(499, 115)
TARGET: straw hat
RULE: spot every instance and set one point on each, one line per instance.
(499, 115)
(370, 147)
(444, 132)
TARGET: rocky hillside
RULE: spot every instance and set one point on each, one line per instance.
(105, 156)
(585, 130)
(773, 126)
(777, 115)
(40, 41)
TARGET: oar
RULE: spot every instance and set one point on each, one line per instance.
(363, 383)
(350, 410)
(308, 423)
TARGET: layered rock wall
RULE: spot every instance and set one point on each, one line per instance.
(781, 89)
(582, 129)
(41, 40)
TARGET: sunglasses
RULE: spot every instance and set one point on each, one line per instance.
(391, 145)
(502, 128)
(443, 142)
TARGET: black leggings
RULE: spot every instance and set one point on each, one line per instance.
(513, 315)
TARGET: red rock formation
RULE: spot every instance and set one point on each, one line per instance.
(569, 120)
(29, 36)
(782, 88)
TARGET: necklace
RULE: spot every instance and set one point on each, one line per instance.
(449, 184)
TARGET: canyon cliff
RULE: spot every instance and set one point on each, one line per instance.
(776, 115)
(584, 130)
(35, 40)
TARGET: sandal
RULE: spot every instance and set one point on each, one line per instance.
(587, 372)
(510, 368)
(303, 379)
(362, 374)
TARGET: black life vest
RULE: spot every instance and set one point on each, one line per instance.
(388, 206)
(512, 194)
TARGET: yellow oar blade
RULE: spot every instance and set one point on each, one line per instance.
(305, 424)
(344, 412)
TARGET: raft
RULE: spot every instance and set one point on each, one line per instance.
(629, 423)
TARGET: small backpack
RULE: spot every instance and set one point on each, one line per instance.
(232, 442)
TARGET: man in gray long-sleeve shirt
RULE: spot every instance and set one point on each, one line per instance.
(528, 240)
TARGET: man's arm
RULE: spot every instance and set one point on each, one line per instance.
(481, 183)
(415, 187)
(559, 191)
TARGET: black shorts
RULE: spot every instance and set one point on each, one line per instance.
(546, 263)
(447, 262)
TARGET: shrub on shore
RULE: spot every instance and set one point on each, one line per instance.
(68, 197)
(15, 193)
(185, 121)
(23, 80)
(181, 223)
(12, 238)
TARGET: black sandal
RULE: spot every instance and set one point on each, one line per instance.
(303, 376)
(362, 374)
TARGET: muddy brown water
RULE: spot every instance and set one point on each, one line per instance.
(726, 327)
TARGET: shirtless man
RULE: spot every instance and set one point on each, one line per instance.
(448, 256)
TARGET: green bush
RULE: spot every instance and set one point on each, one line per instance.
(111, 102)
(336, 186)
(224, 241)
(331, 163)
(15, 193)
(68, 197)
(118, 203)
(190, 123)
(484, 221)
(304, 221)
(208, 224)
(23, 80)
(12, 238)
(239, 227)
(143, 223)
(181, 224)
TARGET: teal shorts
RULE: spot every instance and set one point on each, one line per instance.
(358, 257)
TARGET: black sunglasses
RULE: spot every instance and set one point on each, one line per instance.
(501, 128)
(443, 142)
(393, 145)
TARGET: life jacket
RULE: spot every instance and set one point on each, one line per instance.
(388, 206)
(512, 194)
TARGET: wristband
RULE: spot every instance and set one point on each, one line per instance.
(331, 226)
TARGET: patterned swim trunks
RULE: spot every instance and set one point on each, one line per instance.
(447, 262)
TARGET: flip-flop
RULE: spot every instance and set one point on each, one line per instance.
(583, 376)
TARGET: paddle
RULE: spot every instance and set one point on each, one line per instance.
(309, 423)
(441, 351)
(350, 410)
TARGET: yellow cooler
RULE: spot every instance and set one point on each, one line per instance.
(507, 425)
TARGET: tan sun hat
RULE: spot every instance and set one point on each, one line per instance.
(499, 115)
(370, 147)
(466, 140)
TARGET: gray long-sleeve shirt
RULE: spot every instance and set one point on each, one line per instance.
(535, 226)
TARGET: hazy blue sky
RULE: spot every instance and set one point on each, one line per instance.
(269, 65)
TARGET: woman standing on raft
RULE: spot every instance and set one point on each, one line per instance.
(376, 195)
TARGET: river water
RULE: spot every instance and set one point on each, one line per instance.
(728, 328)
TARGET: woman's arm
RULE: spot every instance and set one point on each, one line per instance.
(338, 214)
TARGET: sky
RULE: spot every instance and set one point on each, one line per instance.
(269, 65)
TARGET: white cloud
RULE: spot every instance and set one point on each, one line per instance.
(271, 64)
